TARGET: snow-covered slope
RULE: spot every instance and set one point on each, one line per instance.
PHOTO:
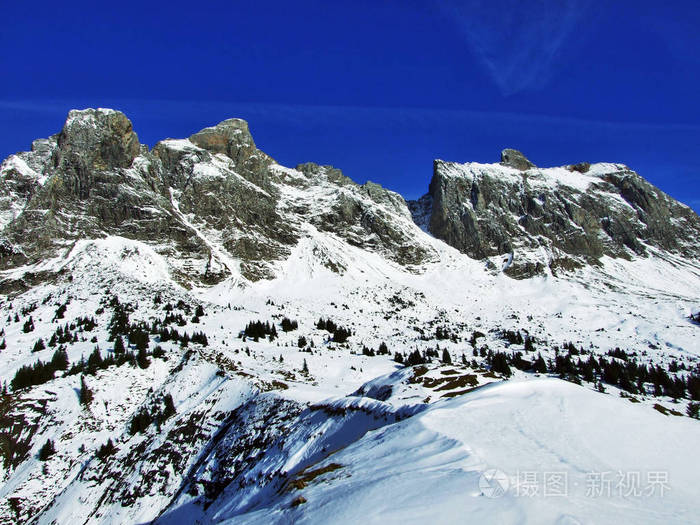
(537, 451)
(436, 369)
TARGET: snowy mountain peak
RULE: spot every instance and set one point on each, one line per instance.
(196, 333)
(217, 207)
(553, 219)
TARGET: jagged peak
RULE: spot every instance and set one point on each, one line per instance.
(228, 136)
(103, 137)
(515, 159)
(93, 117)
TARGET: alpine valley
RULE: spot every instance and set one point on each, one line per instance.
(193, 333)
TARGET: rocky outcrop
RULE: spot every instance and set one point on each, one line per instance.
(514, 159)
(213, 204)
(576, 214)
(367, 216)
(216, 206)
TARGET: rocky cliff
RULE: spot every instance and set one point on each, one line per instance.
(553, 218)
(217, 207)
(213, 204)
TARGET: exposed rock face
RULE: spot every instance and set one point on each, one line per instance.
(218, 207)
(214, 204)
(577, 214)
(367, 216)
(514, 159)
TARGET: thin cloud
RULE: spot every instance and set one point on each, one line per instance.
(518, 43)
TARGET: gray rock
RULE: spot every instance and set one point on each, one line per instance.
(489, 212)
(514, 159)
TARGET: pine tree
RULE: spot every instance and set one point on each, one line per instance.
(415, 358)
(288, 325)
(86, 395)
(94, 361)
(119, 345)
(168, 407)
(142, 359)
(28, 325)
(39, 345)
(47, 450)
(140, 422)
(529, 346)
(540, 366)
(59, 361)
(3, 344)
(106, 450)
(446, 359)
(499, 363)
(305, 368)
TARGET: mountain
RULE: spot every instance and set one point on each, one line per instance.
(555, 218)
(196, 333)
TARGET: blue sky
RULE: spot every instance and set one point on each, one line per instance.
(378, 89)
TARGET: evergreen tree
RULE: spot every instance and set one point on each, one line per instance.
(288, 325)
(59, 361)
(39, 345)
(383, 349)
(200, 338)
(305, 368)
(138, 337)
(86, 395)
(446, 359)
(529, 346)
(47, 450)
(60, 311)
(28, 325)
(94, 361)
(3, 344)
(540, 366)
(340, 334)
(106, 450)
(499, 364)
(415, 358)
(168, 407)
(142, 359)
(693, 410)
(140, 422)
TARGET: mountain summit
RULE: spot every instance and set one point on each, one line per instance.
(216, 206)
